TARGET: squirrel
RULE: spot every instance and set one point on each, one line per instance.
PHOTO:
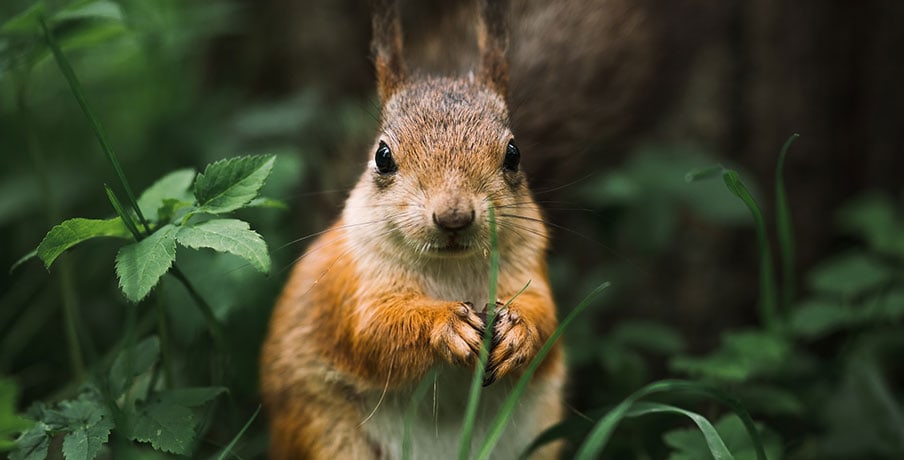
(388, 292)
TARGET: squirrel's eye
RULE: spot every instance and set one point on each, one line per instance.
(383, 159)
(512, 157)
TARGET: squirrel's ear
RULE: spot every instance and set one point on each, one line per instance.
(387, 48)
(492, 37)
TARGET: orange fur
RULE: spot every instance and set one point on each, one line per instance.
(386, 294)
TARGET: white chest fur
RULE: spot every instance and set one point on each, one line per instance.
(437, 423)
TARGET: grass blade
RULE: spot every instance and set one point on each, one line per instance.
(768, 296)
(121, 212)
(79, 94)
(784, 227)
(416, 399)
(714, 441)
(467, 430)
(599, 436)
(235, 439)
(508, 407)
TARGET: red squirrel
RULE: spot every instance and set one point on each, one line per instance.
(389, 291)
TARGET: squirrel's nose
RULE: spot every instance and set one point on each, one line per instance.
(453, 219)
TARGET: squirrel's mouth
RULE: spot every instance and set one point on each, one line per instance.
(451, 246)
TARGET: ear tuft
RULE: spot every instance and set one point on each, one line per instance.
(492, 36)
(387, 48)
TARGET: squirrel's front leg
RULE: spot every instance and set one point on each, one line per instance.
(397, 338)
(519, 331)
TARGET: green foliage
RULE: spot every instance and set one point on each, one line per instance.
(10, 422)
(75, 231)
(689, 444)
(224, 186)
(741, 357)
(230, 184)
(139, 266)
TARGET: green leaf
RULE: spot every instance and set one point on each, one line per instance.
(89, 9)
(74, 231)
(714, 443)
(770, 400)
(33, 444)
(132, 362)
(768, 302)
(230, 184)
(89, 428)
(886, 306)
(10, 422)
(742, 356)
(817, 318)
(25, 23)
(174, 185)
(874, 217)
(602, 431)
(166, 426)
(190, 397)
(227, 235)
(691, 444)
(139, 266)
(848, 275)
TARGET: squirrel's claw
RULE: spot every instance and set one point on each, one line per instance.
(514, 344)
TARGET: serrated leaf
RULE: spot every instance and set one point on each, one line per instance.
(89, 428)
(227, 235)
(166, 426)
(230, 184)
(32, 444)
(74, 231)
(174, 185)
(139, 266)
(848, 275)
(133, 362)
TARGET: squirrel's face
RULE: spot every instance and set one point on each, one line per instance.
(444, 153)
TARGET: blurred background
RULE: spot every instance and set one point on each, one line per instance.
(613, 103)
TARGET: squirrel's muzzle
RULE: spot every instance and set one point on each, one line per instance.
(454, 218)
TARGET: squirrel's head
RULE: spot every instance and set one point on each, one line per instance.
(445, 152)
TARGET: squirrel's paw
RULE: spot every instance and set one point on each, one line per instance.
(515, 342)
(457, 335)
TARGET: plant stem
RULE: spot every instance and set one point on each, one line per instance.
(163, 333)
(79, 94)
(216, 329)
(785, 228)
(69, 297)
